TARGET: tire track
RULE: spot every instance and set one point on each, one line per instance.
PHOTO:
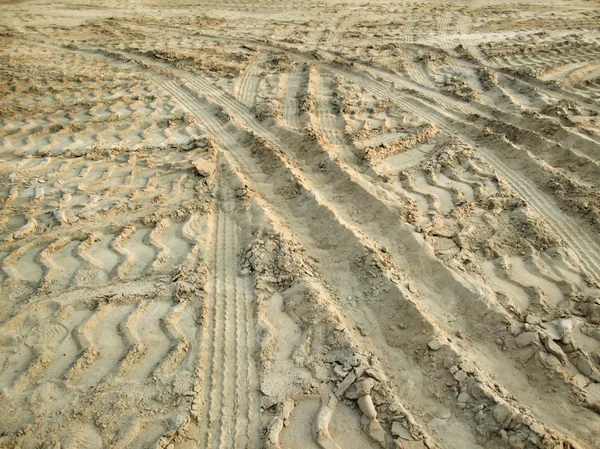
(293, 88)
(340, 213)
(463, 28)
(578, 74)
(163, 252)
(318, 34)
(249, 401)
(408, 34)
(277, 151)
(191, 232)
(228, 419)
(88, 351)
(51, 270)
(326, 119)
(42, 341)
(239, 401)
(251, 81)
(345, 222)
(134, 346)
(344, 25)
(447, 28)
(225, 401)
(180, 345)
(210, 393)
(414, 70)
(580, 241)
(214, 380)
(90, 268)
(95, 355)
(586, 247)
(201, 404)
(128, 259)
(21, 264)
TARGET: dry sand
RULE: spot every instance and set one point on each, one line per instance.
(299, 225)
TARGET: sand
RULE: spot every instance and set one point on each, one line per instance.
(291, 225)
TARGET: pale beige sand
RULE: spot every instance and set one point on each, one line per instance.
(299, 225)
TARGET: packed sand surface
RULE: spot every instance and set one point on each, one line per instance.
(299, 225)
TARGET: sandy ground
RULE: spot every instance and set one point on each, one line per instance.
(299, 225)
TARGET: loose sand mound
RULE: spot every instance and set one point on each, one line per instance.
(299, 225)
